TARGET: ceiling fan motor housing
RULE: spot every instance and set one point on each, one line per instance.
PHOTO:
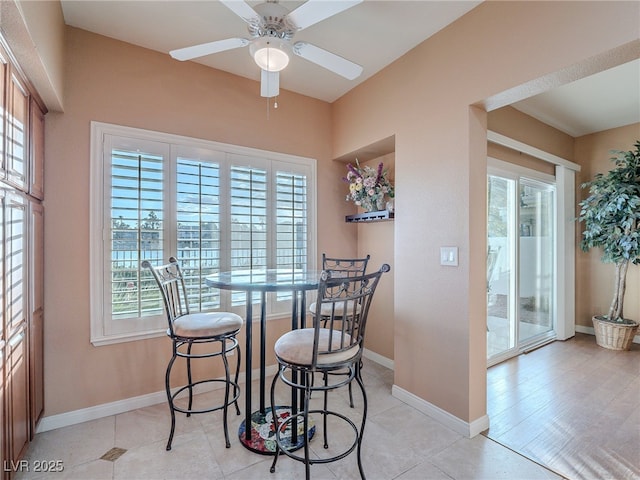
(273, 22)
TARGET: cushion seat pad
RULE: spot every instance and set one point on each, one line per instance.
(296, 347)
(206, 324)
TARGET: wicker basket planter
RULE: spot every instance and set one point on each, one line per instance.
(614, 335)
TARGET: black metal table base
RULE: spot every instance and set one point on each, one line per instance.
(298, 282)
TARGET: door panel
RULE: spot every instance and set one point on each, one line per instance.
(15, 218)
(536, 282)
(17, 131)
(36, 311)
(18, 392)
(521, 246)
(501, 252)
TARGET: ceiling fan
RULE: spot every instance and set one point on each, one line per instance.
(271, 27)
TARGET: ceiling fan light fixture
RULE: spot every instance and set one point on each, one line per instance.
(270, 54)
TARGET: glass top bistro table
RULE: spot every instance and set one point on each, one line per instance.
(255, 430)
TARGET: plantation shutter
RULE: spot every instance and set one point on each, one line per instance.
(136, 217)
(248, 226)
(248, 203)
(215, 207)
(198, 228)
(291, 223)
(291, 220)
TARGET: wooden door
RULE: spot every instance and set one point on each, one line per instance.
(17, 376)
(36, 154)
(3, 354)
(17, 129)
(36, 311)
(16, 328)
(4, 66)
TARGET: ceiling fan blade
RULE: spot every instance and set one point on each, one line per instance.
(242, 9)
(314, 11)
(269, 84)
(328, 60)
(203, 49)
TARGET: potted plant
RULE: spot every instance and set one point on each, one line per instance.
(611, 217)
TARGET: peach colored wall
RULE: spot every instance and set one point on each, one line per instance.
(594, 279)
(518, 158)
(115, 82)
(516, 125)
(520, 126)
(425, 98)
(377, 240)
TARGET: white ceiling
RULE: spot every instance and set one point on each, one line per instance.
(602, 101)
(373, 34)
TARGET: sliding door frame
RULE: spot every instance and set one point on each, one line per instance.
(564, 268)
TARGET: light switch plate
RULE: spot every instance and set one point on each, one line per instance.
(449, 256)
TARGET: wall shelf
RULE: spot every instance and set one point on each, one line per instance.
(380, 216)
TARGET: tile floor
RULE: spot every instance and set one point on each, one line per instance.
(400, 443)
(572, 406)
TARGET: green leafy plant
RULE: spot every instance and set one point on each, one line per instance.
(611, 217)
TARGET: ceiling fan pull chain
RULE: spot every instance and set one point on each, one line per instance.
(268, 98)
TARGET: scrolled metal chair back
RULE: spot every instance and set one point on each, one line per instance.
(170, 280)
(349, 267)
(345, 302)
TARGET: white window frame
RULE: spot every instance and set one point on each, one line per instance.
(105, 330)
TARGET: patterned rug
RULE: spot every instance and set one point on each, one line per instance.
(263, 434)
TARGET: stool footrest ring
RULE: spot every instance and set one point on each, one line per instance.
(232, 386)
(285, 424)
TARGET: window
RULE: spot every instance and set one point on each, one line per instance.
(216, 207)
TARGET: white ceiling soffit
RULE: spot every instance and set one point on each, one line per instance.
(608, 99)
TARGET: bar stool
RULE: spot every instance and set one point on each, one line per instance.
(344, 267)
(216, 329)
(334, 346)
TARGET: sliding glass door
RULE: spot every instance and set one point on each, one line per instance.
(521, 250)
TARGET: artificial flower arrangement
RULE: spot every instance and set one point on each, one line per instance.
(368, 187)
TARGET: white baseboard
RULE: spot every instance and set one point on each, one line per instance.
(591, 331)
(466, 429)
(376, 357)
(66, 419)
(74, 417)
(99, 411)
(587, 330)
